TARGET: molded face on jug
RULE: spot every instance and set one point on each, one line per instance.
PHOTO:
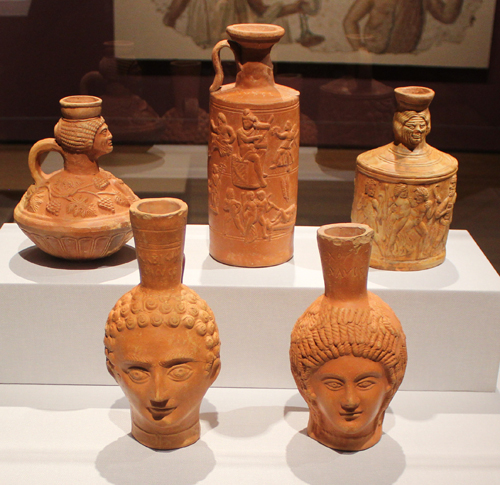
(162, 342)
(164, 372)
(348, 350)
(349, 393)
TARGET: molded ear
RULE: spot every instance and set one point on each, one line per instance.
(214, 372)
(309, 395)
(111, 369)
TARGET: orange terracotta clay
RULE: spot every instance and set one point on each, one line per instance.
(162, 342)
(406, 190)
(80, 211)
(348, 350)
(253, 154)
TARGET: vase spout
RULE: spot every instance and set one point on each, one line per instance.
(159, 227)
(345, 257)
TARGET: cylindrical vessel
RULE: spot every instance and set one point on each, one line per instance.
(406, 190)
(253, 154)
(348, 350)
(162, 342)
(159, 227)
(79, 212)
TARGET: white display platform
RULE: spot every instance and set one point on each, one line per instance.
(53, 313)
(60, 435)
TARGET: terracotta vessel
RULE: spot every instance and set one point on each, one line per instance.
(406, 190)
(162, 343)
(253, 154)
(348, 350)
(81, 211)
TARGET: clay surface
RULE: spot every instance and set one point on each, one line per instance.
(406, 190)
(162, 342)
(80, 211)
(348, 350)
(253, 154)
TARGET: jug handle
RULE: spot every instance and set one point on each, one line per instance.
(219, 72)
(35, 161)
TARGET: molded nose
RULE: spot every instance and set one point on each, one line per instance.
(160, 391)
(350, 401)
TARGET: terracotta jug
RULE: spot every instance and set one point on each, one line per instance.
(252, 154)
(348, 350)
(80, 211)
(406, 190)
(162, 342)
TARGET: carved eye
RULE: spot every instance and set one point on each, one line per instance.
(137, 374)
(366, 384)
(180, 372)
(333, 385)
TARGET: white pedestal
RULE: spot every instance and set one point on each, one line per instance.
(53, 313)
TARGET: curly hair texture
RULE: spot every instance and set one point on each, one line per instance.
(77, 136)
(139, 308)
(326, 332)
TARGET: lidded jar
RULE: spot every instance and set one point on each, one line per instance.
(406, 190)
(348, 350)
(252, 154)
(162, 342)
(81, 211)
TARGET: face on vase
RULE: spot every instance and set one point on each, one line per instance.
(414, 131)
(162, 371)
(103, 141)
(349, 392)
(417, 199)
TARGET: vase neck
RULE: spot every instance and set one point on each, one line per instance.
(80, 164)
(159, 227)
(345, 258)
(255, 69)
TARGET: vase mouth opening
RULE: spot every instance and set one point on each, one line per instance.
(415, 98)
(161, 207)
(345, 231)
(80, 107)
(256, 33)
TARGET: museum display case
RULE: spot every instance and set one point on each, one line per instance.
(64, 419)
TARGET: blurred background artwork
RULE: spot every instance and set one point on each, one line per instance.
(451, 33)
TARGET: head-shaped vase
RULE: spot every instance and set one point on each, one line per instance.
(162, 342)
(348, 350)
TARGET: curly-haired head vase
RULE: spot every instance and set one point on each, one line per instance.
(163, 351)
(348, 362)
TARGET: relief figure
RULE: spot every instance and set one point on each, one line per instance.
(247, 170)
(255, 216)
(284, 155)
(250, 217)
(232, 208)
(222, 135)
(399, 211)
(369, 207)
(213, 188)
(421, 207)
(444, 212)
